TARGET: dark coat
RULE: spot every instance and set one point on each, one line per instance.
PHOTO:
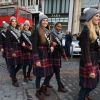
(41, 53)
(2, 41)
(27, 56)
(88, 61)
(12, 45)
(57, 53)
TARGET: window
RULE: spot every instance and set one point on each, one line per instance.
(30, 2)
(29, 16)
(22, 13)
(11, 11)
(22, 2)
(7, 11)
(3, 12)
(37, 2)
(25, 14)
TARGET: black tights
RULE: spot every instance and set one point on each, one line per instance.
(29, 70)
(83, 93)
(13, 69)
(57, 75)
(38, 79)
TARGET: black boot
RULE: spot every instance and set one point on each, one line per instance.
(39, 95)
(29, 77)
(25, 79)
(61, 88)
(15, 82)
(49, 86)
(44, 90)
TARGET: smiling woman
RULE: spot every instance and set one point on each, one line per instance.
(89, 66)
(41, 55)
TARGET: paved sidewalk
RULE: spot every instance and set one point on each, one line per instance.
(26, 91)
(69, 75)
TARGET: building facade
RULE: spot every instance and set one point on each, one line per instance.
(67, 12)
(31, 5)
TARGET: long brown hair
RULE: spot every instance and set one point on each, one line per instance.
(42, 35)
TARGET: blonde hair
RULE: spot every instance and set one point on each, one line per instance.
(92, 31)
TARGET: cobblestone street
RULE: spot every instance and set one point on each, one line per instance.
(69, 73)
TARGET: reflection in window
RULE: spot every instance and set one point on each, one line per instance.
(11, 11)
(7, 11)
(3, 11)
(22, 13)
(25, 14)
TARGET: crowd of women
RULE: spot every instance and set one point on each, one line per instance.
(41, 49)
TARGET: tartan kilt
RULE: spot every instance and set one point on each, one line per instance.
(85, 80)
(44, 58)
(13, 60)
(27, 57)
(56, 58)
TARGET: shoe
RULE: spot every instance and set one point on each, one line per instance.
(15, 82)
(61, 88)
(39, 95)
(44, 90)
(49, 86)
(87, 98)
(26, 80)
(29, 77)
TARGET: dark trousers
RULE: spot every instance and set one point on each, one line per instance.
(56, 71)
(27, 74)
(13, 69)
(83, 93)
(38, 80)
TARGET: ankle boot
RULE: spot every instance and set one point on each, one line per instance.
(29, 77)
(44, 90)
(25, 79)
(87, 98)
(15, 82)
(39, 95)
(61, 88)
(49, 86)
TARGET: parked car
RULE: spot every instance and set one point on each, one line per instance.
(75, 48)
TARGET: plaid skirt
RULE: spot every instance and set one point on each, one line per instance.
(85, 80)
(46, 66)
(13, 60)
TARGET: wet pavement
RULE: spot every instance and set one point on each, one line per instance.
(26, 91)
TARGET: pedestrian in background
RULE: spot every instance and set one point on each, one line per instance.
(41, 49)
(68, 41)
(57, 53)
(89, 68)
(26, 43)
(13, 50)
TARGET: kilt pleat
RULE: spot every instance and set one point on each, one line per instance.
(44, 58)
(85, 80)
